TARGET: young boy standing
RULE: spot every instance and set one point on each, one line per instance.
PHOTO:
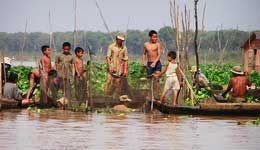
(79, 74)
(44, 67)
(64, 67)
(173, 77)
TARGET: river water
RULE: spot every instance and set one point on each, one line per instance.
(58, 129)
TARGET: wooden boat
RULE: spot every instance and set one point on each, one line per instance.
(234, 109)
(103, 102)
(8, 103)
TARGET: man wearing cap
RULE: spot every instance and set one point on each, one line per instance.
(198, 78)
(117, 61)
(238, 84)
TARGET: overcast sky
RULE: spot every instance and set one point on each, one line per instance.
(142, 14)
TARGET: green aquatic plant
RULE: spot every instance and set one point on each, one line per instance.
(255, 122)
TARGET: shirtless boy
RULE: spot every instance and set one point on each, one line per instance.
(64, 67)
(44, 67)
(79, 73)
(152, 51)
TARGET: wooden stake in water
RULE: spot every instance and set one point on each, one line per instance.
(1, 88)
(152, 94)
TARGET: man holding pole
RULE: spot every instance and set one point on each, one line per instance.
(117, 61)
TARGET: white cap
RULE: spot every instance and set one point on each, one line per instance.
(7, 60)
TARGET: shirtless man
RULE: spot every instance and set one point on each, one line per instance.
(79, 74)
(152, 51)
(238, 84)
(44, 67)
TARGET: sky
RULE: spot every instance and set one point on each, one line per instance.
(121, 15)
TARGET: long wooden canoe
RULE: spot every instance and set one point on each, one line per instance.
(234, 109)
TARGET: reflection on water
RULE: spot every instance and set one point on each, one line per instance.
(70, 130)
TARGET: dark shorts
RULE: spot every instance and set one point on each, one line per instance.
(151, 70)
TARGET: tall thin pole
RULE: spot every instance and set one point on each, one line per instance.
(104, 21)
(75, 24)
(50, 30)
(24, 40)
(196, 35)
(1, 85)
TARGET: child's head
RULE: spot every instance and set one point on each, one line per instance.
(171, 55)
(66, 46)
(79, 51)
(46, 50)
(153, 36)
(12, 77)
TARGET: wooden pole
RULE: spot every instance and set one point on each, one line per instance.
(104, 21)
(50, 30)
(152, 92)
(75, 25)
(1, 85)
(24, 40)
(196, 35)
(4, 71)
(189, 86)
(89, 79)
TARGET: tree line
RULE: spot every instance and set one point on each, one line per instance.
(231, 39)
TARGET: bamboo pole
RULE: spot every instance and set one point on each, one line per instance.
(75, 25)
(24, 40)
(104, 21)
(1, 85)
(89, 79)
(4, 67)
(189, 86)
(196, 34)
(203, 18)
(50, 30)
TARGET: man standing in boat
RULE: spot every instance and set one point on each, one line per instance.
(117, 61)
(238, 85)
(152, 51)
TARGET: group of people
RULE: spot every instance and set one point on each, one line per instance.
(117, 60)
(69, 70)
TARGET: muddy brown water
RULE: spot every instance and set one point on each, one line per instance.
(21, 129)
